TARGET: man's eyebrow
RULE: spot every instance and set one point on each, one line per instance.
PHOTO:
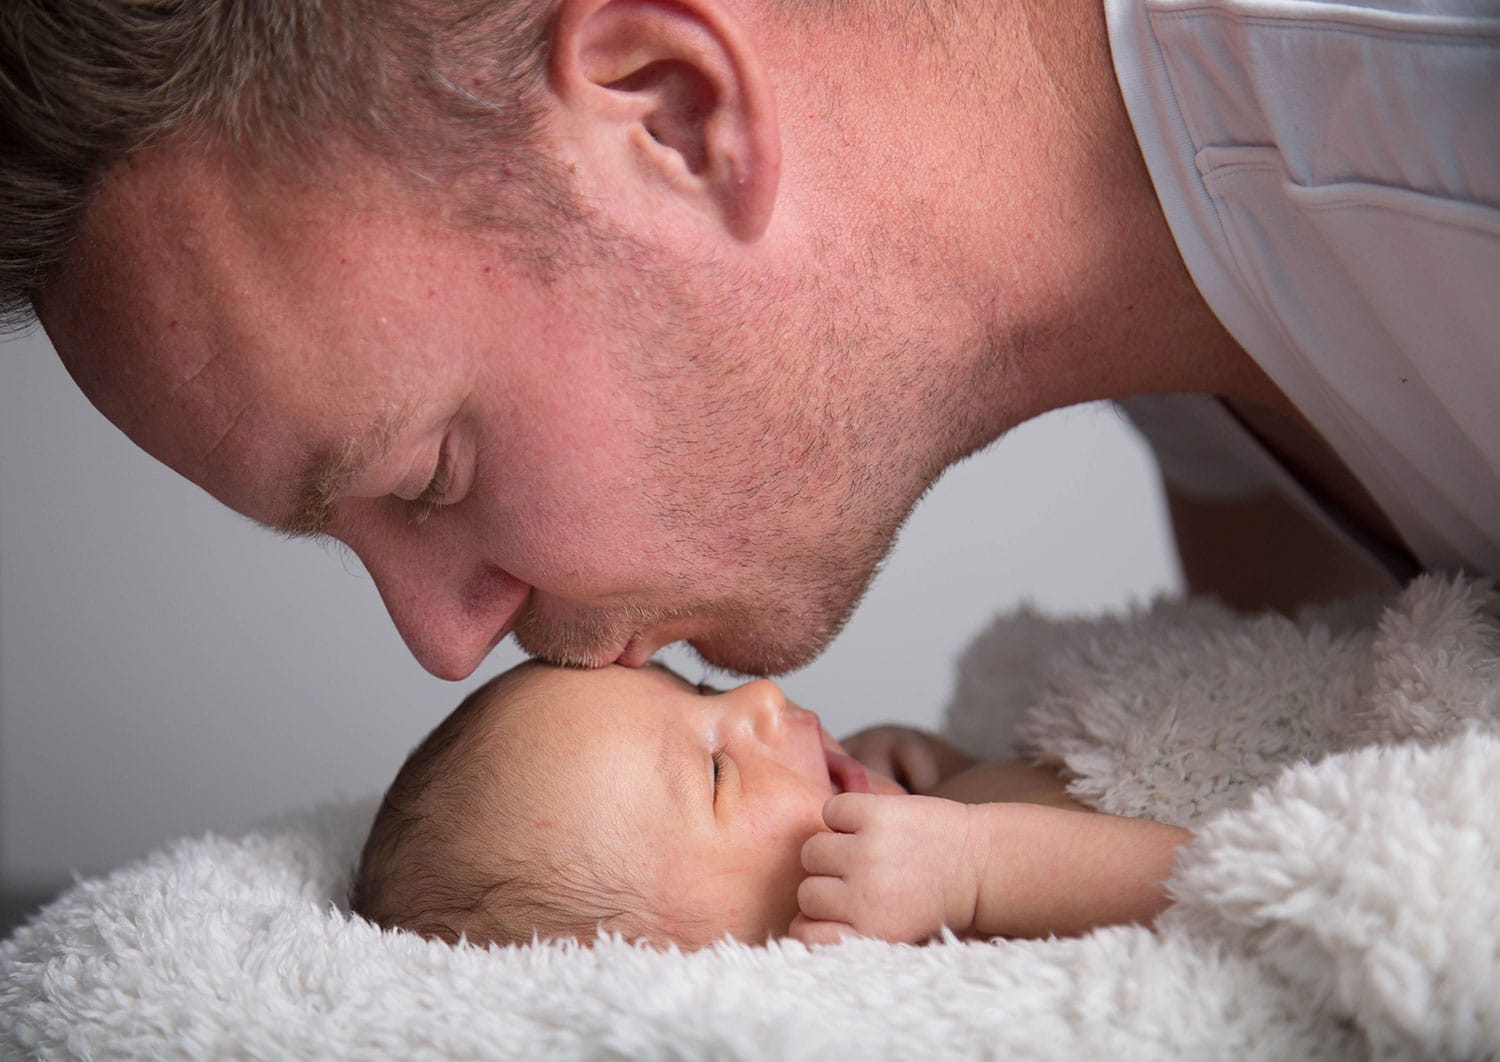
(328, 474)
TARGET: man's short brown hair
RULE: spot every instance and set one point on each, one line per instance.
(449, 91)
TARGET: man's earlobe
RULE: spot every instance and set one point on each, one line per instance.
(680, 93)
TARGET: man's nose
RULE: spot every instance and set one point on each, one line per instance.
(760, 706)
(449, 615)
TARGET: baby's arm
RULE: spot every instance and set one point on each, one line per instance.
(924, 763)
(903, 867)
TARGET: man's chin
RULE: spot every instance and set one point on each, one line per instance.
(584, 642)
(759, 653)
(734, 645)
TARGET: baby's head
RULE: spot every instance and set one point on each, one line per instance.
(553, 802)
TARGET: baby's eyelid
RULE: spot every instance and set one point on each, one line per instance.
(719, 760)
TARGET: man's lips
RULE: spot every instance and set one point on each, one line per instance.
(845, 773)
(636, 653)
(648, 641)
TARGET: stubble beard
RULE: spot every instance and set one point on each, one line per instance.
(588, 639)
(764, 638)
(759, 596)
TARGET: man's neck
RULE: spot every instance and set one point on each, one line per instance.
(977, 185)
(1182, 346)
(1051, 211)
(1139, 323)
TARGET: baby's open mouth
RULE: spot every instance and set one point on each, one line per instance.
(846, 773)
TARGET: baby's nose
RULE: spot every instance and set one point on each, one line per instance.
(762, 704)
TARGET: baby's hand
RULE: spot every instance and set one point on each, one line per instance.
(895, 867)
(916, 759)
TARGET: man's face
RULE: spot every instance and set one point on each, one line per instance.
(604, 462)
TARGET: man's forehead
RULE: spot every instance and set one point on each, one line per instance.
(153, 294)
(183, 324)
(276, 459)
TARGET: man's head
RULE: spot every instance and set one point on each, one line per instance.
(613, 376)
(553, 802)
(444, 91)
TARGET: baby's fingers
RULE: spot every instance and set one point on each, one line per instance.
(824, 899)
(810, 931)
(826, 853)
(916, 767)
(847, 812)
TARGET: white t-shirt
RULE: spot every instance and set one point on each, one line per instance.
(1331, 174)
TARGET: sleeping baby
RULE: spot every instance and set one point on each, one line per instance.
(554, 803)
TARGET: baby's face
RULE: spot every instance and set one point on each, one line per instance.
(701, 799)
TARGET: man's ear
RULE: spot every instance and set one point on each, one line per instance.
(678, 96)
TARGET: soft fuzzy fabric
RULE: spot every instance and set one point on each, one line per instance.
(1340, 900)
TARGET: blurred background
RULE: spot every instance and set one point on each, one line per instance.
(167, 668)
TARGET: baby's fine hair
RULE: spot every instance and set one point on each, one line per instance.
(445, 857)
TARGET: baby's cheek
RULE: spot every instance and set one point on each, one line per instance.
(782, 839)
(801, 818)
(788, 816)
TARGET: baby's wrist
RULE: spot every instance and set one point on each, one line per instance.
(1014, 891)
(968, 878)
(1058, 871)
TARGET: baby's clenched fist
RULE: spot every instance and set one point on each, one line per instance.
(900, 868)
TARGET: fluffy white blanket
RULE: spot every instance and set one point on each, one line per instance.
(1340, 899)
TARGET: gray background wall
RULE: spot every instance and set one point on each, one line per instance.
(166, 668)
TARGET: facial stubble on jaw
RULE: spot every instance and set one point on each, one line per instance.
(788, 608)
(586, 640)
(743, 639)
